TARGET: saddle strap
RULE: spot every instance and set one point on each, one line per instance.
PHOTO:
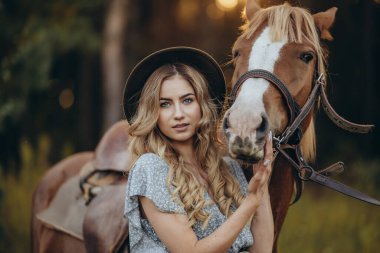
(340, 121)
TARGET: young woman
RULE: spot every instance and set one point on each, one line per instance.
(182, 196)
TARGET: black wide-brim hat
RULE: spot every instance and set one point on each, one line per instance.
(196, 58)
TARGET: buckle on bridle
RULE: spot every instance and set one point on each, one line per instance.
(305, 172)
(283, 137)
(278, 140)
(321, 79)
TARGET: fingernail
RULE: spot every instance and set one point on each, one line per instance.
(270, 135)
(266, 162)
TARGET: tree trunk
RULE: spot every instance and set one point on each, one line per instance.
(113, 61)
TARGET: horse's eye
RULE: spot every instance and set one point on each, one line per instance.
(307, 57)
(236, 54)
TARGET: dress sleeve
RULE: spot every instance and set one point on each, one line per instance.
(237, 171)
(147, 178)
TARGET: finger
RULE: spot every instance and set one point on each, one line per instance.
(259, 182)
(265, 178)
(259, 167)
(268, 149)
(253, 185)
(261, 178)
(266, 162)
(257, 178)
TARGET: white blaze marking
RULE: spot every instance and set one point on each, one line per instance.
(264, 55)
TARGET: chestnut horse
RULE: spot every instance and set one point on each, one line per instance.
(283, 40)
(106, 208)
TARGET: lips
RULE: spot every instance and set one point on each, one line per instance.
(179, 126)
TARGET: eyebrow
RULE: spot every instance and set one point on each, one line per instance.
(183, 96)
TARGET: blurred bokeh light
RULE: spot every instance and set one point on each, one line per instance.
(66, 98)
(214, 12)
(226, 4)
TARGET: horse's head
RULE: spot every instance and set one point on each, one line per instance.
(285, 41)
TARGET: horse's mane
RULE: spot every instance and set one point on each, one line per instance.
(297, 25)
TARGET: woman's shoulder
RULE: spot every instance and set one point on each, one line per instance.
(149, 165)
(149, 172)
(149, 160)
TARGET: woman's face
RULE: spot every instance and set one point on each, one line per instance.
(179, 113)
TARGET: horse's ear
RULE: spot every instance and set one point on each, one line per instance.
(251, 7)
(324, 20)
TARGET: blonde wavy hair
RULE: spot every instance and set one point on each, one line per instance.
(185, 187)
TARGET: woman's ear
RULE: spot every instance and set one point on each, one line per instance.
(324, 20)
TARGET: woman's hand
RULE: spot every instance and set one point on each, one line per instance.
(258, 184)
(262, 225)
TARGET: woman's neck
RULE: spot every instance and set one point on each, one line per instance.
(186, 150)
(188, 153)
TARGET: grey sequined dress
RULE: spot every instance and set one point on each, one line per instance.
(148, 178)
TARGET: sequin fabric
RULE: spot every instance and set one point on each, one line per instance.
(148, 178)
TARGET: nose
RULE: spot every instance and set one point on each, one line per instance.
(246, 137)
(178, 111)
(260, 126)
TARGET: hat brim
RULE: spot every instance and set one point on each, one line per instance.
(198, 59)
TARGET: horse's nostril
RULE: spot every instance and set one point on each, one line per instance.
(262, 129)
(226, 123)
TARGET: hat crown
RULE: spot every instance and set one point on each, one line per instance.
(201, 61)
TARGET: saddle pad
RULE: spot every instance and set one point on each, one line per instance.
(66, 211)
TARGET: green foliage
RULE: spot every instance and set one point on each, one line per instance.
(41, 34)
(16, 197)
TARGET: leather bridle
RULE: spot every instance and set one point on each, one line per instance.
(288, 143)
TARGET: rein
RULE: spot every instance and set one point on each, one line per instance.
(288, 143)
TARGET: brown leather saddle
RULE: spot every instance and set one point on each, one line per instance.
(90, 206)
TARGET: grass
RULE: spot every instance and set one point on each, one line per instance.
(16, 197)
(323, 221)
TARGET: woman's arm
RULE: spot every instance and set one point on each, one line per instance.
(262, 227)
(174, 231)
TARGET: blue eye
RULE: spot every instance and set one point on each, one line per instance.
(188, 100)
(164, 104)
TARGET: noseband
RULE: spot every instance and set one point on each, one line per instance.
(288, 143)
(293, 107)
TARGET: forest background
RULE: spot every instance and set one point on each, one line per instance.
(63, 64)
